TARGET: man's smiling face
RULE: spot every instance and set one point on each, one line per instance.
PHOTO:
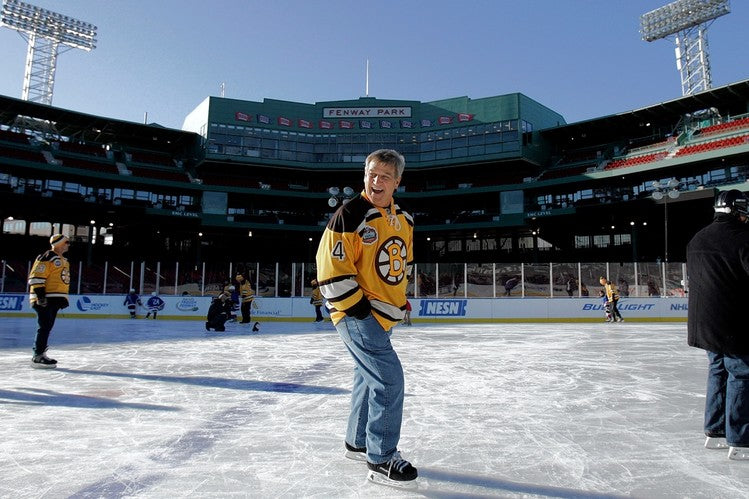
(380, 183)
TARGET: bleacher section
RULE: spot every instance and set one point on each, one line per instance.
(149, 159)
(9, 136)
(83, 156)
(711, 145)
(636, 160)
(25, 154)
(725, 127)
(566, 171)
(173, 175)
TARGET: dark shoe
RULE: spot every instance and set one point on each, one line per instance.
(43, 362)
(355, 453)
(396, 472)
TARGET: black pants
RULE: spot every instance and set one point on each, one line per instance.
(216, 322)
(246, 315)
(614, 310)
(318, 313)
(46, 319)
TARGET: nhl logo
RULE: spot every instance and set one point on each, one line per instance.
(368, 235)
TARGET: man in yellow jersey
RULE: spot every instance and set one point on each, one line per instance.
(363, 262)
(609, 288)
(246, 295)
(49, 282)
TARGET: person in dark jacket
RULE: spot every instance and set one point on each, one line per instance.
(718, 266)
(217, 313)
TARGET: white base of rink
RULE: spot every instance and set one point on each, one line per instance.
(143, 408)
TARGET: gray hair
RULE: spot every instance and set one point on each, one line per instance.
(389, 157)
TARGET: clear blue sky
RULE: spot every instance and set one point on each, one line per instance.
(581, 58)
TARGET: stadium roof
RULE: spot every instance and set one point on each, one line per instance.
(730, 100)
(96, 128)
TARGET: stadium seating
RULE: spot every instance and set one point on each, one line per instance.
(88, 164)
(23, 154)
(564, 172)
(635, 160)
(9, 136)
(173, 175)
(148, 158)
(713, 144)
(725, 127)
(85, 149)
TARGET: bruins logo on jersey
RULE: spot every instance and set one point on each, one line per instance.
(391, 260)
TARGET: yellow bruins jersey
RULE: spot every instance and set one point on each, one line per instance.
(611, 292)
(246, 294)
(51, 272)
(366, 252)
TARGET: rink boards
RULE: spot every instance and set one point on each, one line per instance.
(432, 310)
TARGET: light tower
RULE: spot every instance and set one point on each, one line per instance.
(46, 33)
(687, 20)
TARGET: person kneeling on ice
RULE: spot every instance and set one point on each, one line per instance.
(132, 300)
(154, 305)
(217, 314)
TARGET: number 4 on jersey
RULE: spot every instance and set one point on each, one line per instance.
(338, 251)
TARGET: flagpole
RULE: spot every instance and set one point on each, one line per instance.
(366, 84)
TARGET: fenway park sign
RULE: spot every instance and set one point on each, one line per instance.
(367, 112)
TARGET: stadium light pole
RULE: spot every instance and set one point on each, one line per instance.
(687, 20)
(46, 33)
(665, 191)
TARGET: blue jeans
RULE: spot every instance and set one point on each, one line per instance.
(727, 403)
(377, 394)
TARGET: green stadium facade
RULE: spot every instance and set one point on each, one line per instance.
(501, 178)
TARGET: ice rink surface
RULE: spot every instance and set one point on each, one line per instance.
(142, 408)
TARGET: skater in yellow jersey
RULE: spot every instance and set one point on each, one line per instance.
(49, 282)
(363, 262)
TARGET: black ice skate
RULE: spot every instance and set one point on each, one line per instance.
(355, 453)
(256, 327)
(43, 362)
(397, 472)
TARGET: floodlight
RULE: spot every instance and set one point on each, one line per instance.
(679, 16)
(45, 32)
(333, 191)
(688, 21)
(348, 191)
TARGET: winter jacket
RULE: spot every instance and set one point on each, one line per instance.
(718, 268)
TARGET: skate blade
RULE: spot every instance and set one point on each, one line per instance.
(355, 456)
(716, 443)
(381, 479)
(738, 453)
(37, 365)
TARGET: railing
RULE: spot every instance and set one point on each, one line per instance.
(468, 280)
